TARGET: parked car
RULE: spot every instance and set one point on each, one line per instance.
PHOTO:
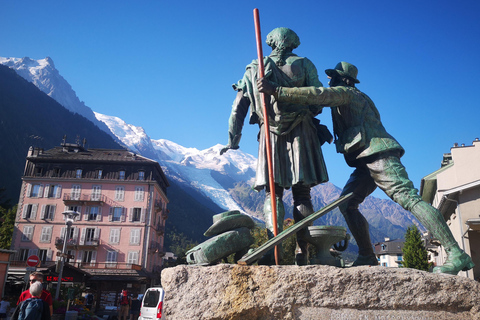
(152, 304)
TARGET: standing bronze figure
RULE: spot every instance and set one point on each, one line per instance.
(375, 155)
(296, 148)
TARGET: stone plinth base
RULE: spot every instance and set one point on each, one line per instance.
(316, 292)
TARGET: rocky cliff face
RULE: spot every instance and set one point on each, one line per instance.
(316, 292)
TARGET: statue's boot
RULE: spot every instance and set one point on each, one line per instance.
(269, 257)
(432, 219)
(358, 226)
(301, 210)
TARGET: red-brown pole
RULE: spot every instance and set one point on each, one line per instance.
(268, 144)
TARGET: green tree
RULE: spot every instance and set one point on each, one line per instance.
(415, 255)
(7, 218)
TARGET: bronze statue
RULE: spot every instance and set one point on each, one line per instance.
(296, 148)
(375, 155)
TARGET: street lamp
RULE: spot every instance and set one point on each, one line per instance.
(70, 216)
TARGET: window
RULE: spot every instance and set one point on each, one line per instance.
(132, 257)
(93, 214)
(43, 255)
(136, 214)
(111, 260)
(99, 174)
(139, 192)
(35, 191)
(135, 237)
(121, 175)
(384, 247)
(54, 191)
(141, 175)
(399, 257)
(23, 255)
(76, 209)
(38, 171)
(115, 236)
(71, 253)
(90, 235)
(46, 235)
(56, 172)
(89, 257)
(30, 211)
(117, 214)
(76, 191)
(78, 173)
(96, 193)
(48, 212)
(119, 193)
(27, 233)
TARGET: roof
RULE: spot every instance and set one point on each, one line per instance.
(428, 186)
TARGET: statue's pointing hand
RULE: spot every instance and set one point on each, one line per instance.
(265, 86)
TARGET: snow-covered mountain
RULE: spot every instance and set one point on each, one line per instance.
(43, 74)
(205, 171)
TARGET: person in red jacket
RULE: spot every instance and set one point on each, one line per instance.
(45, 296)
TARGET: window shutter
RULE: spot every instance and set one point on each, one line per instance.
(79, 217)
(62, 233)
(79, 256)
(66, 209)
(110, 215)
(53, 208)
(94, 258)
(32, 252)
(82, 237)
(87, 212)
(99, 215)
(97, 233)
(24, 213)
(49, 254)
(123, 214)
(42, 213)
(75, 233)
(130, 217)
(50, 232)
(29, 190)
(47, 190)
(142, 215)
(34, 211)
(59, 192)
(40, 191)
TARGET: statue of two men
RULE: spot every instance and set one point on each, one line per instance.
(371, 151)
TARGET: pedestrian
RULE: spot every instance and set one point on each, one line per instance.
(375, 156)
(89, 301)
(33, 308)
(123, 306)
(4, 308)
(135, 305)
(45, 295)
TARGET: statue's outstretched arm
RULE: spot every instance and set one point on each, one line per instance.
(235, 123)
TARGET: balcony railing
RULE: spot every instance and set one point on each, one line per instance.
(84, 197)
(160, 229)
(107, 265)
(70, 242)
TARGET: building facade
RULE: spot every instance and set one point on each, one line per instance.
(389, 253)
(118, 236)
(455, 190)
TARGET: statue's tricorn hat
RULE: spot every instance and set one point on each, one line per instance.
(344, 69)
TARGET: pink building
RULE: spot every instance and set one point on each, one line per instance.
(118, 237)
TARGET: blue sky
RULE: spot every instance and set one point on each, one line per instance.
(168, 66)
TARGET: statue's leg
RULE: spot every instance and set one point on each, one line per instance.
(391, 176)
(433, 220)
(269, 258)
(362, 185)
(302, 208)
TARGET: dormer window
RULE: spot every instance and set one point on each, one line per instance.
(121, 175)
(99, 174)
(78, 173)
(141, 175)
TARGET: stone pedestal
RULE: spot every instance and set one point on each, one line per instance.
(316, 292)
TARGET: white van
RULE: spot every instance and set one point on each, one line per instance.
(152, 304)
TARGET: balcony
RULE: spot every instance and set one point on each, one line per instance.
(70, 242)
(89, 243)
(158, 205)
(107, 265)
(159, 229)
(84, 199)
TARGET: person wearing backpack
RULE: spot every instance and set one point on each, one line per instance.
(124, 306)
(45, 295)
(33, 308)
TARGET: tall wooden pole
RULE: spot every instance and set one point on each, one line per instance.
(268, 144)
